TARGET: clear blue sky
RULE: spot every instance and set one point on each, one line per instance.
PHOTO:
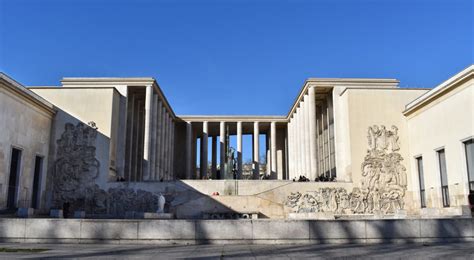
(235, 57)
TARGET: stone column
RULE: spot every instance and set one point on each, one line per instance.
(307, 148)
(161, 159)
(239, 150)
(318, 144)
(170, 155)
(301, 157)
(323, 139)
(328, 118)
(312, 132)
(289, 152)
(165, 146)
(173, 131)
(189, 136)
(214, 158)
(153, 138)
(147, 138)
(136, 142)
(256, 150)
(267, 155)
(222, 149)
(131, 119)
(194, 171)
(204, 145)
(273, 152)
(159, 149)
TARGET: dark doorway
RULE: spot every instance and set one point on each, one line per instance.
(37, 181)
(13, 181)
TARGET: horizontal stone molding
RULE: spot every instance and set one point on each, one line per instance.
(260, 231)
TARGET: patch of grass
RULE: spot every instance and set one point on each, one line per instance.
(22, 250)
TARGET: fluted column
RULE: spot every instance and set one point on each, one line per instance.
(153, 137)
(301, 135)
(307, 138)
(131, 132)
(136, 141)
(256, 150)
(312, 132)
(147, 136)
(204, 145)
(168, 148)
(222, 149)
(189, 136)
(172, 177)
(161, 159)
(273, 154)
(290, 143)
(214, 158)
(323, 139)
(239, 150)
(159, 149)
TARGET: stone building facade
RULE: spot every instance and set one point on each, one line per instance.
(366, 146)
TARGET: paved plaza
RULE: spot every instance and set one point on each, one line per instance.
(450, 251)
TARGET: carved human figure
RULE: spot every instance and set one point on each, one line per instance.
(382, 138)
(393, 139)
(161, 204)
(371, 136)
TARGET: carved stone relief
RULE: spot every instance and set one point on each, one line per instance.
(382, 188)
(75, 172)
(76, 167)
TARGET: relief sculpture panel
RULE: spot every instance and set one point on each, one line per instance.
(76, 166)
(76, 170)
(383, 185)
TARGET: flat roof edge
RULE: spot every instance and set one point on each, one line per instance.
(30, 95)
(354, 80)
(440, 89)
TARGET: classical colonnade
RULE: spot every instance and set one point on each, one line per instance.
(221, 131)
(311, 136)
(150, 136)
(300, 144)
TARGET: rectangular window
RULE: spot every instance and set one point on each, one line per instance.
(469, 146)
(36, 182)
(15, 163)
(444, 177)
(419, 163)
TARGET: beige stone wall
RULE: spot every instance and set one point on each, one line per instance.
(85, 104)
(444, 123)
(100, 105)
(25, 126)
(368, 107)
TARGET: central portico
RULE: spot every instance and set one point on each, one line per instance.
(219, 129)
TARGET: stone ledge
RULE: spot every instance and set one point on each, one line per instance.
(263, 231)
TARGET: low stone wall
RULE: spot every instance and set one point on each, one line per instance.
(234, 231)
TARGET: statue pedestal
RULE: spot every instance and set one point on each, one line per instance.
(151, 215)
(25, 212)
(312, 215)
(79, 214)
(56, 213)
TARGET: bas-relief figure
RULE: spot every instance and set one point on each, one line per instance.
(382, 188)
(76, 167)
(161, 204)
(75, 172)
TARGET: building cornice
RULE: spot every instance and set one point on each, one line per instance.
(440, 90)
(231, 118)
(73, 82)
(27, 94)
(368, 83)
(139, 81)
